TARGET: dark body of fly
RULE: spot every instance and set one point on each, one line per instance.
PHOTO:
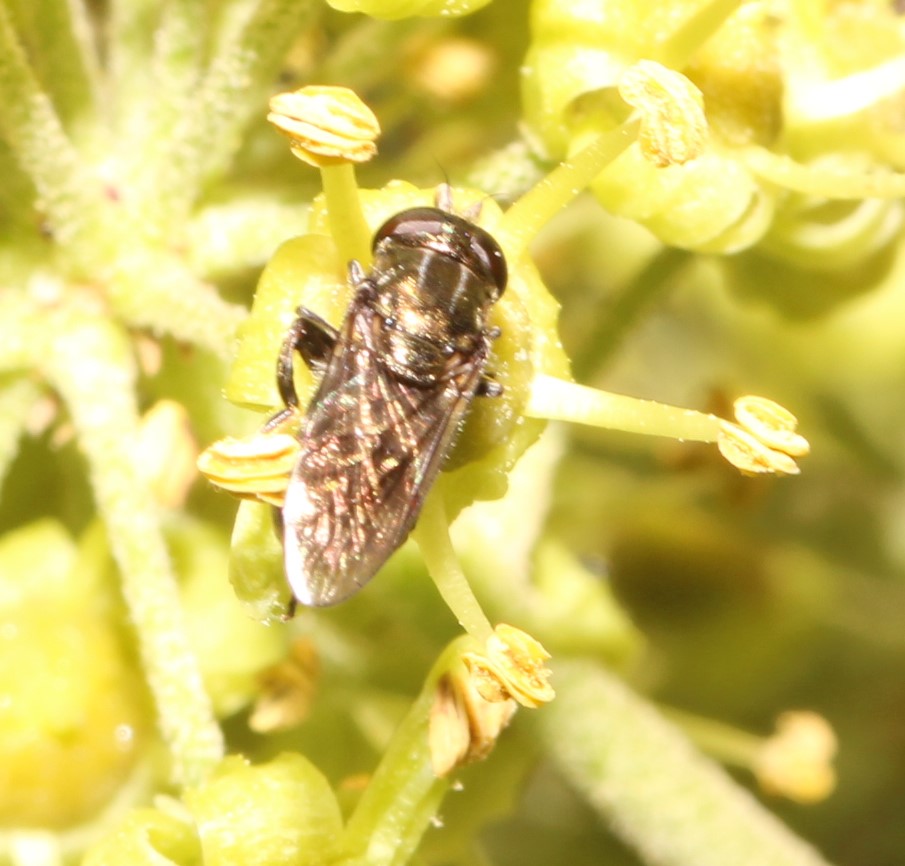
(397, 379)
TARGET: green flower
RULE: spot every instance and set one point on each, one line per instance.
(279, 812)
(784, 100)
(142, 194)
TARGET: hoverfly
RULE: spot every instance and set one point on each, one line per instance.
(396, 381)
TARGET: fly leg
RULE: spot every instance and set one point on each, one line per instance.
(313, 338)
(488, 387)
(487, 384)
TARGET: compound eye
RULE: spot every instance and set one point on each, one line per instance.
(414, 226)
(486, 250)
(451, 235)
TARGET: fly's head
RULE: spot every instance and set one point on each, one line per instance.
(462, 242)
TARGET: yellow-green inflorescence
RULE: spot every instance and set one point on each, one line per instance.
(767, 130)
(474, 686)
(788, 123)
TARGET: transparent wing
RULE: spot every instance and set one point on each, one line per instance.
(372, 445)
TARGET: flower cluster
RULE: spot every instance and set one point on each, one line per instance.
(766, 136)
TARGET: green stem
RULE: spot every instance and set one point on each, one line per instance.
(725, 743)
(31, 127)
(177, 65)
(153, 291)
(820, 101)
(346, 219)
(522, 222)
(60, 38)
(179, 47)
(403, 794)
(89, 361)
(131, 25)
(830, 181)
(432, 535)
(229, 95)
(677, 49)
(559, 400)
(665, 800)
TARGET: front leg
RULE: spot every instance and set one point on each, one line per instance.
(313, 338)
(488, 386)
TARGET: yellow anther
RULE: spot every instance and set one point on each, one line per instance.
(748, 454)
(771, 424)
(673, 125)
(796, 762)
(512, 666)
(326, 125)
(256, 466)
(764, 441)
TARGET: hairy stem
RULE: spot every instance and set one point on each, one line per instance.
(228, 95)
(70, 198)
(404, 794)
(89, 361)
(669, 803)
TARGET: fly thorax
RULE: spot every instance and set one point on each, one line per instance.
(415, 346)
